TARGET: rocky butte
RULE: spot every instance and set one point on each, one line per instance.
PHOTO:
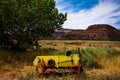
(93, 32)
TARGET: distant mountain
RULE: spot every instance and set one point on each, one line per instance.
(103, 32)
(119, 29)
(93, 32)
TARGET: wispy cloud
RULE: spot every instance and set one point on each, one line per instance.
(64, 6)
(105, 12)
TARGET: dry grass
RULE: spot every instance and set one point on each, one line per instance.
(111, 65)
(74, 44)
(15, 64)
(111, 68)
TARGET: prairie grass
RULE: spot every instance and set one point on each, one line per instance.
(20, 65)
(63, 45)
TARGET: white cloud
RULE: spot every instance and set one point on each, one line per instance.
(105, 12)
(64, 6)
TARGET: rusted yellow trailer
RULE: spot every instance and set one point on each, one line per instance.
(69, 61)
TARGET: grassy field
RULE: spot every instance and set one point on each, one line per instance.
(64, 45)
(19, 66)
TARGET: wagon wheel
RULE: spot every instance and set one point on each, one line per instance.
(73, 69)
(51, 63)
(41, 67)
(78, 69)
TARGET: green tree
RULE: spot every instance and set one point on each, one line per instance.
(22, 22)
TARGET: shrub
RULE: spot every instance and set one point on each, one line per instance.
(90, 56)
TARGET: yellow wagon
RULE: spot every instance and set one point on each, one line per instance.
(69, 61)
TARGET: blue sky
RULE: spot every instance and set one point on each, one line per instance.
(82, 13)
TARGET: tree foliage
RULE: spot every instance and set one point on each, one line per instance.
(22, 22)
